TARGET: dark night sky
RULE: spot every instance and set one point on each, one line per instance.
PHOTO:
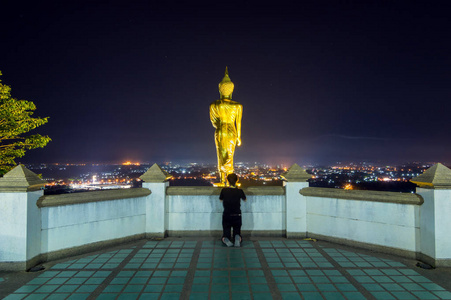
(319, 81)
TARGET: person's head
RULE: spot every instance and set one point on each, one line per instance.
(232, 179)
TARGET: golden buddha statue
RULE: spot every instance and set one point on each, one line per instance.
(225, 115)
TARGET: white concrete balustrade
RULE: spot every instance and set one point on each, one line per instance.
(68, 226)
(35, 228)
(199, 211)
(391, 222)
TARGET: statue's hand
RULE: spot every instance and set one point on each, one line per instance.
(238, 141)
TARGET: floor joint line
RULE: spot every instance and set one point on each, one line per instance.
(116, 271)
(275, 293)
(340, 269)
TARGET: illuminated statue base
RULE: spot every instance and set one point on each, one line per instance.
(220, 184)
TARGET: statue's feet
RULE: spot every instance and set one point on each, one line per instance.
(219, 184)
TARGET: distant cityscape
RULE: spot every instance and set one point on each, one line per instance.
(67, 178)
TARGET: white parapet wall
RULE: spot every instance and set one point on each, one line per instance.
(70, 221)
(198, 211)
(435, 226)
(369, 219)
(37, 228)
(19, 228)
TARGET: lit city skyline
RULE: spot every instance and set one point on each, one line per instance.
(67, 178)
(319, 82)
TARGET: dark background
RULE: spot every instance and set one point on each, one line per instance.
(320, 81)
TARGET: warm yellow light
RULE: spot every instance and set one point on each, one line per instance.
(225, 116)
(349, 187)
(129, 163)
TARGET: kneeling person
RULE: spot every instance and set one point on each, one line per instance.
(231, 217)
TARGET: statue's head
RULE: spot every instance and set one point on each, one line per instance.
(226, 86)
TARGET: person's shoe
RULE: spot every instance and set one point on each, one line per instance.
(237, 241)
(227, 242)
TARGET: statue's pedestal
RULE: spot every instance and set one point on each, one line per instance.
(220, 184)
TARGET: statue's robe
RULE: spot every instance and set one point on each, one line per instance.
(225, 115)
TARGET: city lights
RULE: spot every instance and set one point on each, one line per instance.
(64, 178)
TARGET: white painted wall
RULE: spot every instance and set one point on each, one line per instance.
(74, 225)
(296, 207)
(156, 208)
(443, 223)
(427, 223)
(19, 226)
(13, 224)
(27, 231)
(259, 213)
(33, 225)
(386, 224)
(435, 223)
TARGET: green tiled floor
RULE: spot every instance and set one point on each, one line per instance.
(205, 269)
(293, 254)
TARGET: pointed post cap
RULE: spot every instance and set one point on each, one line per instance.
(155, 174)
(20, 179)
(436, 177)
(296, 174)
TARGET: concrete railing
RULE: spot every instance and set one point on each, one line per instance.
(198, 211)
(54, 226)
(364, 195)
(36, 228)
(87, 197)
(90, 218)
(385, 221)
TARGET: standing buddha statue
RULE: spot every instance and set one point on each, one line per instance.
(225, 115)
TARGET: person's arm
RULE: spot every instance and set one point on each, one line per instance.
(243, 196)
(221, 196)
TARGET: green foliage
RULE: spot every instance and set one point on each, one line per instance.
(15, 122)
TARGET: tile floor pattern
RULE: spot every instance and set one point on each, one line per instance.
(282, 269)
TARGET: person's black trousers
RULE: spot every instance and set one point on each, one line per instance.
(229, 222)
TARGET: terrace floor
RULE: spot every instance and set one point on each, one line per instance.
(202, 268)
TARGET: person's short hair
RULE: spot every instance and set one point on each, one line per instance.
(232, 178)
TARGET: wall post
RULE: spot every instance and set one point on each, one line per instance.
(156, 180)
(295, 203)
(435, 222)
(20, 219)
